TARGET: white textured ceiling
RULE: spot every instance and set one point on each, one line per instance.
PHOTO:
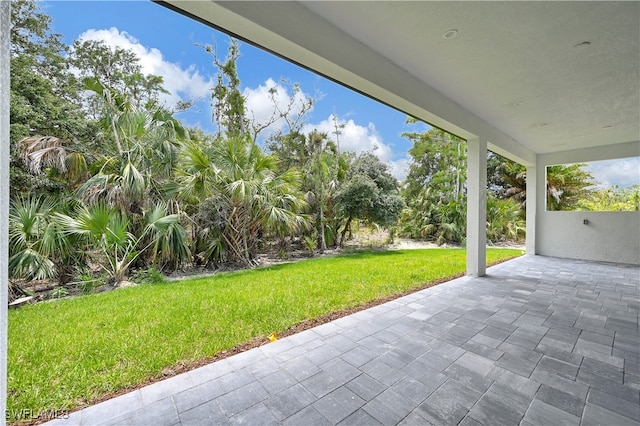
(553, 76)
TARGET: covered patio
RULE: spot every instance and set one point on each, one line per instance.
(550, 338)
(541, 83)
(537, 341)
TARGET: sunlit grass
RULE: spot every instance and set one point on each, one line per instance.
(67, 353)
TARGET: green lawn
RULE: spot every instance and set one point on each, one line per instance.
(67, 353)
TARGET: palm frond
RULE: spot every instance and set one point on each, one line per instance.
(40, 152)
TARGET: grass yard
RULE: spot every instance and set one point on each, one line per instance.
(68, 353)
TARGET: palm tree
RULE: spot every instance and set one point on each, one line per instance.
(137, 176)
(504, 220)
(566, 184)
(39, 249)
(166, 238)
(259, 199)
(434, 216)
(515, 178)
(323, 167)
(43, 153)
(109, 230)
(196, 172)
(320, 172)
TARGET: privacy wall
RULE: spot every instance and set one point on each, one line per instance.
(599, 236)
(607, 236)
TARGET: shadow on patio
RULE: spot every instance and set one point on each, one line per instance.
(538, 341)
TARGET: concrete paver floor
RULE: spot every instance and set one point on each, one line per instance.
(538, 341)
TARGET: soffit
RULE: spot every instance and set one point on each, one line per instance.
(521, 67)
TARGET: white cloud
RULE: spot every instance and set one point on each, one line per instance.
(266, 102)
(353, 137)
(183, 84)
(400, 168)
(622, 172)
(356, 138)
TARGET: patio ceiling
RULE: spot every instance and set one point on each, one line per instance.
(531, 77)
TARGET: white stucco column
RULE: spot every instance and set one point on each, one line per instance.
(5, 18)
(476, 207)
(532, 202)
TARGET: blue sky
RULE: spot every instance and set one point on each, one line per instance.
(166, 42)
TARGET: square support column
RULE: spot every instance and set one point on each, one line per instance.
(532, 203)
(5, 18)
(476, 207)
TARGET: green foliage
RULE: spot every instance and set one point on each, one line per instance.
(504, 220)
(148, 276)
(132, 189)
(59, 293)
(566, 185)
(126, 337)
(44, 96)
(117, 69)
(291, 148)
(447, 222)
(392, 235)
(109, 230)
(436, 200)
(167, 238)
(434, 188)
(611, 200)
(320, 171)
(358, 196)
(243, 197)
(38, 247)
(370, 193)
(226, 99)
(89, 286)
(282, 254)
(506, 178)
(309, 244)
(438, 161)
(323, 169)
(31, 237)
(208, 222)
(88, 282)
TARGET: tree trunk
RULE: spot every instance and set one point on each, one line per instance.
(323, 242)
(347, 227)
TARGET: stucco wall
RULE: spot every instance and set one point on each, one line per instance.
(608, 236)
(5, 19)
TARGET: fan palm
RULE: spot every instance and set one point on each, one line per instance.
(108, 230)
(40, 153)
(260, 198)
(167, 238)
(38, 249)
(504, 220)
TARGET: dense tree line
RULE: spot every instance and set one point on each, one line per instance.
(103, 174)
